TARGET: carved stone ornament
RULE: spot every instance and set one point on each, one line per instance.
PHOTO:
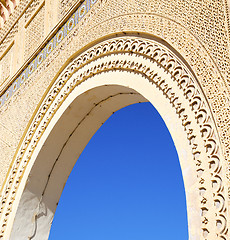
(169, 74)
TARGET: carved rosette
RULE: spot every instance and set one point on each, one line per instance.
(186, 98)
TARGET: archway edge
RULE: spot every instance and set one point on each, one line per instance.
(163, 64)
(195, 51)
(136, 34)
(33, 189)
(168, 31)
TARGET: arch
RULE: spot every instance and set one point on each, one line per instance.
(110, 75)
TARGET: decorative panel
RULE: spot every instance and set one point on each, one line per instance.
(31, 9)
(64, 6)
(34, 32)
(61, 34)
(9, 38)
(5, 65)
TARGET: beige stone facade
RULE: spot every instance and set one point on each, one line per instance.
(66, 66)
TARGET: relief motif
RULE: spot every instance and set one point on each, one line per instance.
(34, 32)
(210, 175)
(205, 48)
(31, 9)
(34, 35)
(64, 6)
(5, 65)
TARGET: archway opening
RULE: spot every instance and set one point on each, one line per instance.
(74, 124)
(127, 183)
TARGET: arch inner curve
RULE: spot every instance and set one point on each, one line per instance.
(127, 183)
(56, 158)
(105, 84)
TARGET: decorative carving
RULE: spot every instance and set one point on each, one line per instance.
(5, 64)
(34, 31)
(64, 6)
(207, 157)
(196, 29)
(34, 34)
(199, 58)
(9, 38)
(30, 10)
(6, 8)
(13, 18)
(213, 83)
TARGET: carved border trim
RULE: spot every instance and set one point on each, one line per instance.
(186, 83)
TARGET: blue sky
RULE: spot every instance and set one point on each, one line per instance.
(126, 185)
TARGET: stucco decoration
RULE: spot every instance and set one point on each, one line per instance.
(176, 50)
(167, 73)
(34, 33)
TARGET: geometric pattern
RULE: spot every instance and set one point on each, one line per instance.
(59, 35)
(34, 32)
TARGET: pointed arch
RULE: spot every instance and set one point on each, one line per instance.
(110, 75)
